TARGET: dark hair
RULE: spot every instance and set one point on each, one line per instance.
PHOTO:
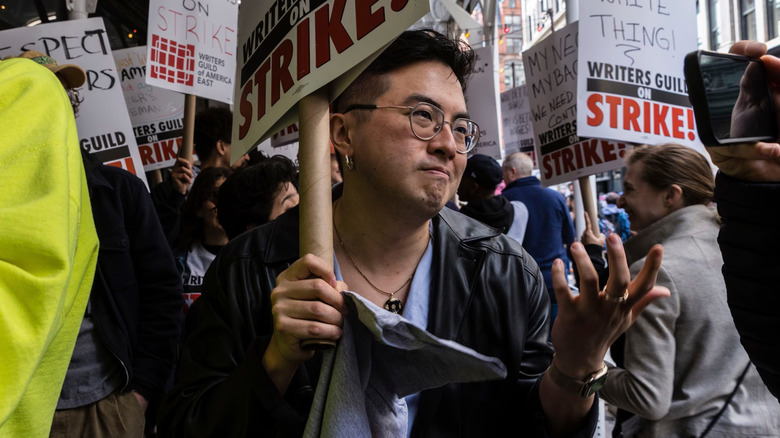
(247, 196)
(410, 47)
(672, 163)
(203, 189)
(255, 156)
(211, 125)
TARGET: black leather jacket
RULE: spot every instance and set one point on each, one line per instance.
(486, 293)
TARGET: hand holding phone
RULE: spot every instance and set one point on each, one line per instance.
(752, 161)
(731, 97)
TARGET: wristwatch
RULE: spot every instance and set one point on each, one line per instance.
(585, 388)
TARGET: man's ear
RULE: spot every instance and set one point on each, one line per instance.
(222, 147)
(340, 134)
(511, 172)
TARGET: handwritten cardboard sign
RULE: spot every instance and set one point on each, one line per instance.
(630, 75)
(551, 76)
(289, 49)
(156, 113)
(191, 47)
(103, 123)
(517, 121)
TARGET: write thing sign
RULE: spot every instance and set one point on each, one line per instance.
(288, 49)
(630, 75)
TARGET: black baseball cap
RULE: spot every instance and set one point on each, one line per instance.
(485, 170)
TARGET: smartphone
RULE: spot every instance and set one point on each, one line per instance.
(731, 98)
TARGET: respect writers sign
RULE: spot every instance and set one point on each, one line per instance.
(191, 46)
(631, 84)
(289, 49)
(103, 124)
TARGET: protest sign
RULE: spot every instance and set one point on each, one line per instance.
(192, 47)
(289, 150)
(631, 85)
(587, 157)
(289, 49)
(103, 123)
(285, 136)
(551, 78)
(482, 99)
(516, 121)
(155, 113)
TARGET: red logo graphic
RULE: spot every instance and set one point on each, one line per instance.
(171, 61)
(124, 163)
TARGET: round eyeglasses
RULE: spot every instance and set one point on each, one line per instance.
(426, 120)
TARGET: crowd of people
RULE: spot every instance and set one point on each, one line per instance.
(182, 312)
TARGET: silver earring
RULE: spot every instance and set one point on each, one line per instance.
(349, 162)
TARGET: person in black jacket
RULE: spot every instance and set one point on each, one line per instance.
(747, 188)
(404, 132)
(127, 346)
(127, 343)
(478, 188)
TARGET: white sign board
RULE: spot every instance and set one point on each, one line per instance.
(289, 150)
(482, 100)
(516, 121)
(551, 78)
(191, 47)
(103, 123)
(287, 50)
(631, 85)
(285, 136)
(156, 113)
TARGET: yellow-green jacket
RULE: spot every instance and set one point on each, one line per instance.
(48, 245)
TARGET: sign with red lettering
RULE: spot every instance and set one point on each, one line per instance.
(156, 113)
(585, 158)
(482, 98)
(551, 81)
(286, 135)
(516, 121)
(192, 45)
(630, 75)
(289, 49)
(102, 121)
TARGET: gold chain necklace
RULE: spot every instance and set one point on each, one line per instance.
(393, 304)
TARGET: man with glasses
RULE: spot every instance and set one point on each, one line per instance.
(404, 132)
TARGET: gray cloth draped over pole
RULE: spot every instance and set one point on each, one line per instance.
(381, 358)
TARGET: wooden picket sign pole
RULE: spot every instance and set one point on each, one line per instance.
(154, 177)
(316, 209)
(185, 151)
(589, 204)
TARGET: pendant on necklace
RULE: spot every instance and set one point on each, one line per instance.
(394, 305)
